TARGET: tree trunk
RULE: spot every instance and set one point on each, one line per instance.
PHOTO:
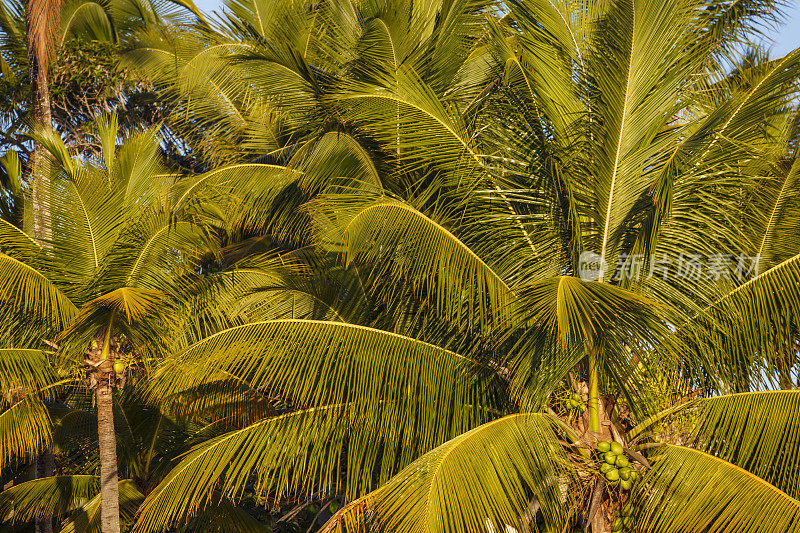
(41, 24)
(45, 467)
(109, 484)
(593, 406)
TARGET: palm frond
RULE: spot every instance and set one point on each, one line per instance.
(691, 491)
(31, 302)
(363, 399)
(757, 431)
(74, 497)
(430, 131)
(483, 479)
(403, 243)
(753, 327)
(87, 518)
(25, 430)
(28, 369)
(51, 496)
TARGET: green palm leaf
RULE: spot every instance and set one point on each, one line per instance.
(690, 491)
(486, 477)
(402, 242)
(52, 496)
(86, 518)
(25, 430)
(30, 300)
(367, 400)
(752, 327)
(757, 431)
(28, 369)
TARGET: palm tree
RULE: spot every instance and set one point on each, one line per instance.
(485, 150)
(147, 440)
(114, 286)
(84, 74)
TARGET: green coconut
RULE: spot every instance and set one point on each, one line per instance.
(605, 467)
(612, 475)
(603, 446)
(610, 458)
(616, 447)
(625, 484)
(624, 472)
(622, 461)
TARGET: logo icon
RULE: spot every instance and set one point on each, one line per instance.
(591, 266)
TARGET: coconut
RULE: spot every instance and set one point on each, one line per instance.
(610, 458)
(605, 467)
(623, 461)
(624, 472)
(603, 446)
(625, 484)
(616, 447)
(612, 475)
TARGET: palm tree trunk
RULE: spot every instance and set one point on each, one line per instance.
(41, 18)
(41, 23)
(109, 484)
(594, 394)
(45, 467)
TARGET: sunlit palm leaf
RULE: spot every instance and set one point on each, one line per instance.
(753, 327)
(30, 298)
(47, 497)
(402, 242)
(28, 369)
(757, 431)
(485, 477)
(384, 399)
(690, 491)
(25, 430)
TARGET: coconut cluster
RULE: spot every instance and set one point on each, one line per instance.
(618, 472)
(615, 465)
(623, 522)
(576, 402)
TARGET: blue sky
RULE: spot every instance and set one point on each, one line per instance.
(785, 38)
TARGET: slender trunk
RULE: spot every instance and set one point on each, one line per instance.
(41, 20)
(45, 467)
(109, 484)
(594, 393)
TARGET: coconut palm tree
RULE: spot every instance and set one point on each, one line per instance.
(84, 77)
(147, 439)
(115, 286)
(532, 191)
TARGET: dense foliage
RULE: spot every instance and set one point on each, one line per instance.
(381, 265)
